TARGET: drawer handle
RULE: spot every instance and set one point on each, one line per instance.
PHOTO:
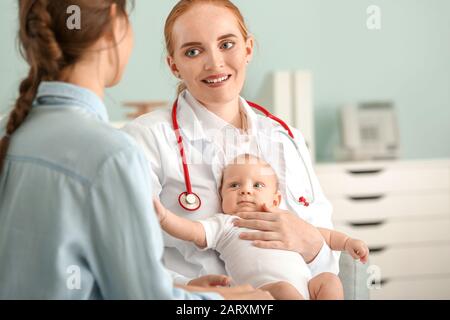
(366, 198)
(382, 282)
(367, 171)
(367, 224)
(377, 249)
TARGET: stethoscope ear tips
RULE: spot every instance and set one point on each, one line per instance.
(303, 201)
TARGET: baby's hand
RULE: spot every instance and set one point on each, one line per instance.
(161, 211)
(357, 249)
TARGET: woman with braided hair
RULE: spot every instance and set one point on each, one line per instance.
(76, 220)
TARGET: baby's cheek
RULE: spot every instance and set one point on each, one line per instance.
(227, 207)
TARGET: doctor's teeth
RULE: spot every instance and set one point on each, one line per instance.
(218, 80)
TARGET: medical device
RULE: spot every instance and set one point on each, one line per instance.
(189, 200)
(369, 131)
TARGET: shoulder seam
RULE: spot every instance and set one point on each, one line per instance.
(52, 166)
(109, 158)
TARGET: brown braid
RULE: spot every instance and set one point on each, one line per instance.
(40, 49)
(49, 46)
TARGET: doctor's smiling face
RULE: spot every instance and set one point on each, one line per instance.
(247, 184)
(209, 49)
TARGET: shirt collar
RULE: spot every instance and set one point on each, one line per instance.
(208, 120)
(196, 120)
(69, 95)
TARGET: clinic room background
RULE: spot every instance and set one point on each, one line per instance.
(406, 61)
(387, 61)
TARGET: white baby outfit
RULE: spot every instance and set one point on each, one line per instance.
(247, 264)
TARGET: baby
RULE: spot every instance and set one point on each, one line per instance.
(247, 185)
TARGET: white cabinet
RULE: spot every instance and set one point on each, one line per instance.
(401, 209)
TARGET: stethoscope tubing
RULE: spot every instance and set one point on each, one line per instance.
(187, 179)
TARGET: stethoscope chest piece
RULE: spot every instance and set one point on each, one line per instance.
(190, 202)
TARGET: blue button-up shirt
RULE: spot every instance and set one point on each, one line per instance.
(76, 213)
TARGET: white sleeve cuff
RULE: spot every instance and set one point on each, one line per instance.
(208, 234)
(178, 278)
(211, 295)
(325, 261)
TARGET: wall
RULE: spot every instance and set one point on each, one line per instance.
(407, 61)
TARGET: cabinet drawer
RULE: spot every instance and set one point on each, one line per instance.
(414, 288)
(407, 232)
(384, 180)
(420, 260)
(392, 206)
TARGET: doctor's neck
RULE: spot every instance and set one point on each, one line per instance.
(228, 111)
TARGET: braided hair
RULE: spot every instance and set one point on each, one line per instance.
(50, 47)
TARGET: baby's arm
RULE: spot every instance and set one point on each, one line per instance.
(335, 240)
(341, 242)
(179, 227)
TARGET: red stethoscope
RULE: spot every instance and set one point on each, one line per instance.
(189, 200)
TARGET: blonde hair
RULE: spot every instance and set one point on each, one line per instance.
(181, 8)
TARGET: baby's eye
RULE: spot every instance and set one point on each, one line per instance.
(258, 185)
(227, 45)
(192, 53)
(234, 185)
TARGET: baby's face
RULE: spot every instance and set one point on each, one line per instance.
(246, 187)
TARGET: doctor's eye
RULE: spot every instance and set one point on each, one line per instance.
(227, 45)
(259, 185)
(192, 53)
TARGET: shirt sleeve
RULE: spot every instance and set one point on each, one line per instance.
(321, 211)
(214, 227)
(125, 237)
(178, 278)
(325, 261)
(146, 139)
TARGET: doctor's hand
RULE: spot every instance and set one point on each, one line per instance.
(211, 280)
(281, 229)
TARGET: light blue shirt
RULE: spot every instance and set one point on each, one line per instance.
(76, 214)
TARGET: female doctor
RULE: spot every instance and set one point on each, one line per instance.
(209, 49)
(75, 221)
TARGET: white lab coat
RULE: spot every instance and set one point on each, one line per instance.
(204, 149)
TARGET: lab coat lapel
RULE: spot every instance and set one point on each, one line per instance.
(296, 178)
(188, 122)
(280, 152)
(203, 155)
(272, 151)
